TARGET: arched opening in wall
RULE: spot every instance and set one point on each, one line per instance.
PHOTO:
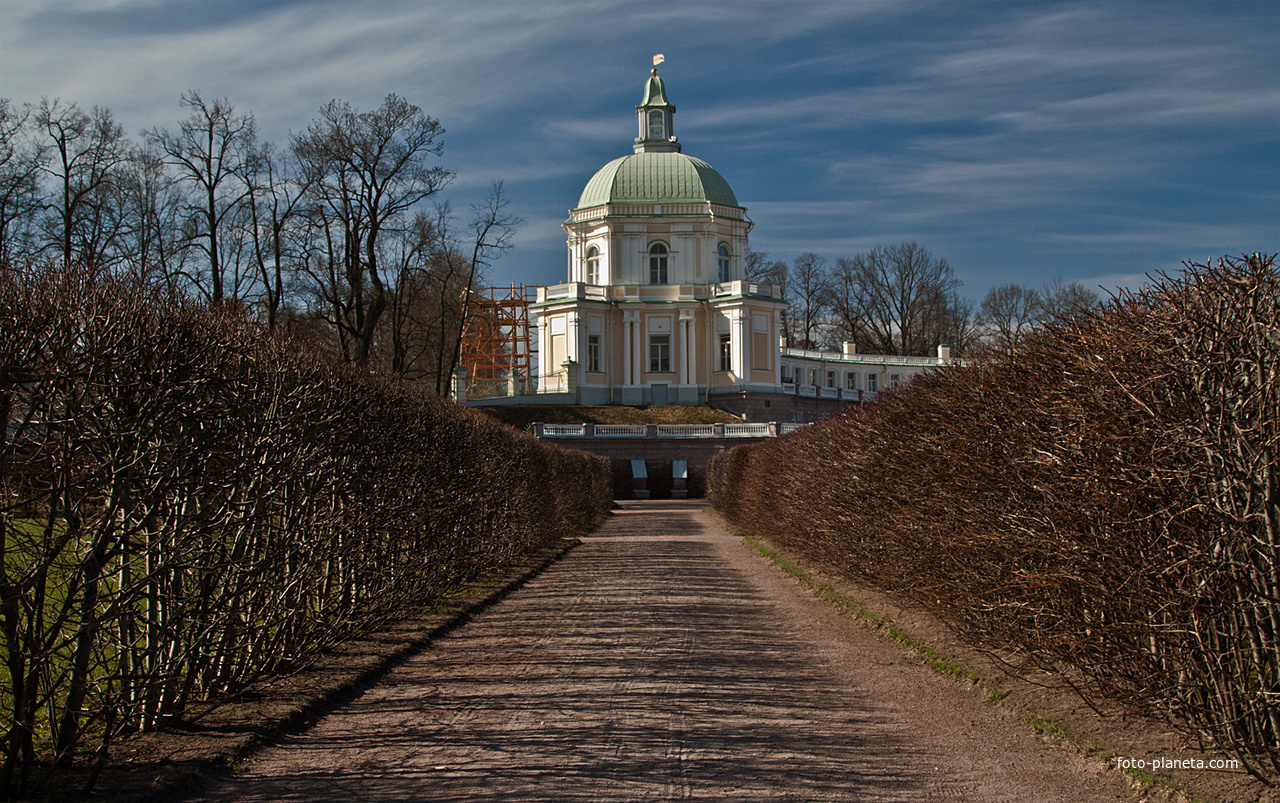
(722, 263)
(593, 265)
(657, 264)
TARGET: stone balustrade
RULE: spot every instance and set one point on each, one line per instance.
(771, 429)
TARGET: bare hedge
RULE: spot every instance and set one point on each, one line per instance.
(188, 503)
(1104, 501)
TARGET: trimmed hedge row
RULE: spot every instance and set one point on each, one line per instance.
(188, 503)
(1105, 500)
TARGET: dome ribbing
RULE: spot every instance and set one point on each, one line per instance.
(657, 178)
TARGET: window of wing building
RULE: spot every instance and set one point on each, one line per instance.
(657, 264)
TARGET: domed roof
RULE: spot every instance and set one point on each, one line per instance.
(650, 177)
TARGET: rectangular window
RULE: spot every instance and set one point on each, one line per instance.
(593, 353)
(726, 353)
(831, 379)
(658, 265)
(873, 383)
(660, 354)
(813, 376)
(851, 380)
(894, 379)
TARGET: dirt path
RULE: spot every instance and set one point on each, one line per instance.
(664, 659)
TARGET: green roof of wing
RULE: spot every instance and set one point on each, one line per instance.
(657, 178)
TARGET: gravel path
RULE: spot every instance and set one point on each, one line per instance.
(664, 659)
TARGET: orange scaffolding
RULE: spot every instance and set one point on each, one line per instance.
(495, 341)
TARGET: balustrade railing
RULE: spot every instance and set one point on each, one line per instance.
(620, 430)
(686, 430)
(744, 430)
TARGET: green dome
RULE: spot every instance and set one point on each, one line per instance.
(648, 178)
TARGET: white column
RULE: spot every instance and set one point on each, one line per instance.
(543, 355)
(626, 351)
(737, 343)
(686, 331)
(572, 345)
(744, 328)
(773, 340)
(677, 346)
(684, 350)
(638, 356)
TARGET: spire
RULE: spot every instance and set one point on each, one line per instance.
(657, 132)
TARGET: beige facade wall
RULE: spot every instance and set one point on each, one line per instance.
(689, 305)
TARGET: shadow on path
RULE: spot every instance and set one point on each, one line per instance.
(642, 666)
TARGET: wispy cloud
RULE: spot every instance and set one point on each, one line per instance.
(1057, 134)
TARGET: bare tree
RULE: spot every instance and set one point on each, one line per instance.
(276, 197)
(211, 151)
(958, 325)
(755, 265)
(364, 169)
(1066, 298)
(21, 160)
(411, 258)
(152, 205)
(86, 152)
(1010, 312)
(491, 230)
(897, 299)
(847, 303)
(810, 298)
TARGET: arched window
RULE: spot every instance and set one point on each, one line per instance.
(656, 127)
(657, 264)
(722, 263)
(593, 265)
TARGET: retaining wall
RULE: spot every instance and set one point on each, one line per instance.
(656, 450)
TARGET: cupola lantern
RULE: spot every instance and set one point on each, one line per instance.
(655, 113)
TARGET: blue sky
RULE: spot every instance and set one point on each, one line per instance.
(1023, 141)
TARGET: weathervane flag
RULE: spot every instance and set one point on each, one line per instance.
(658, 59)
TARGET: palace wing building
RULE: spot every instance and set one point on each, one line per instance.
(657, 308)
